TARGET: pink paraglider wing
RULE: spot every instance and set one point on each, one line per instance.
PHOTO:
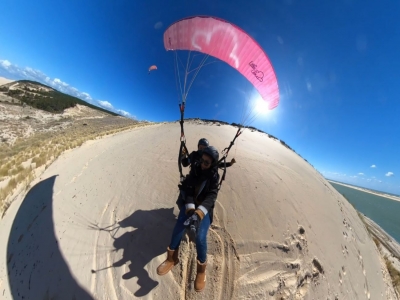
(153, 68)
(228, 43)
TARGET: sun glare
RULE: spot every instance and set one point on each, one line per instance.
(261, 107)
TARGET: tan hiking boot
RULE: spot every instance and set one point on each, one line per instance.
(200, 281)
(169, 263)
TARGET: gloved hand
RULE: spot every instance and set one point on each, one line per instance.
(183, 153)
(189, 212)
(193, 223)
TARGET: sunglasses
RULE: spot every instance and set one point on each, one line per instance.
(205, 162)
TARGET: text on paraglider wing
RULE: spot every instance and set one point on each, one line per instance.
(257, 73)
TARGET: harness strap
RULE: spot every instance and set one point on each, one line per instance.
(223, 174)
(183, 141)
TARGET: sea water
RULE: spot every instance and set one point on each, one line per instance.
(383, 211)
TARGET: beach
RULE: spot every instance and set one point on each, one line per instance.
(99, 219)
(382, 194)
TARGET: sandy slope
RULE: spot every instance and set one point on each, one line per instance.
(98, 221)
(5, 80)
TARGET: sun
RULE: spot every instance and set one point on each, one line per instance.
(261, 106)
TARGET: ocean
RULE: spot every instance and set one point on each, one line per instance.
(383, 211)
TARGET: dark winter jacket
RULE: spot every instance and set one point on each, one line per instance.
(199, 191)
(192, 159)
(195, 157)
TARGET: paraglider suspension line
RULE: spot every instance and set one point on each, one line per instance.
(225, 155)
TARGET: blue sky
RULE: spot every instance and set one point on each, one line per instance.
(337, 64)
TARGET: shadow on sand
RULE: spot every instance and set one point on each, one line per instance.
(36, 266)
(149, 238)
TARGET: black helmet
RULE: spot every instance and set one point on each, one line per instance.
(203, 142)
(212, 152)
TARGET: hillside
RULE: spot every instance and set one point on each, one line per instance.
(37, 95)
(28, 107)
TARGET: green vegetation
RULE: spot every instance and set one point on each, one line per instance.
(46, 98)
(394, 274)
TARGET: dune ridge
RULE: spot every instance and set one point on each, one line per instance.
(281, 231)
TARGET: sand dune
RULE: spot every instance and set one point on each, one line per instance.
(98, 221)
(5, 80)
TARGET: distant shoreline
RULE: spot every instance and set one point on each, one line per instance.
(391, 197)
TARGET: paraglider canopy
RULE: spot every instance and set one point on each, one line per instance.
(229, 43)
(153, 67)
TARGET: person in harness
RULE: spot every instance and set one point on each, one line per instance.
(199, 193)
(195, 156)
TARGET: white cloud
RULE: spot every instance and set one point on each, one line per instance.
(86, 96)
(280, 40)
(389, 174)
(58, 81)
(309, 86)
(5, 64)
(362, 174)
(373, 166)
(158, 25)
(105, 104)
(126, 114)
(28, 73)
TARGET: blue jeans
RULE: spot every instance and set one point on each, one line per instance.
(201, 237)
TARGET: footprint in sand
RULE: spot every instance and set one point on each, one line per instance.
(277, 269)
(366, 290)
(222, 267)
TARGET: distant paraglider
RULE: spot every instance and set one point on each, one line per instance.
(153, 67)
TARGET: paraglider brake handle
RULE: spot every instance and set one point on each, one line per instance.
(225, 152)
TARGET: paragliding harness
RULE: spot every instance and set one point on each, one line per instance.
(182, 146)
